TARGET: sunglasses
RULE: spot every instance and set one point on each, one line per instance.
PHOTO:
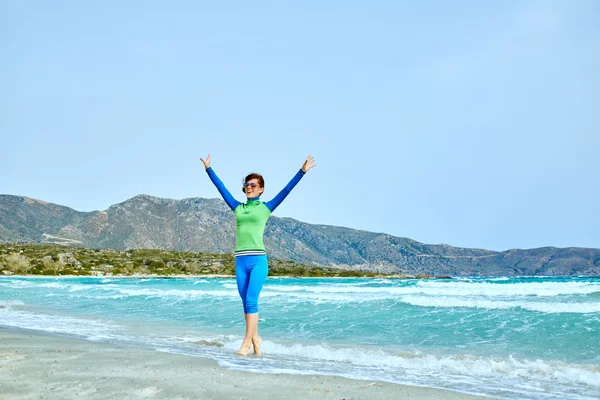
(252, 185)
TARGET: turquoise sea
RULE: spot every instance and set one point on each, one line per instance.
(523, 337)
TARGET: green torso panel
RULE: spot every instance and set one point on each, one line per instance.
(251, 219)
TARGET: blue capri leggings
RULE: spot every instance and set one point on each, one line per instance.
(250, 274)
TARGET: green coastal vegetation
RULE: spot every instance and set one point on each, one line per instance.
(52, 260)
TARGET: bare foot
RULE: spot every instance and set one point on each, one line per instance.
(256, 344)
(244, 350)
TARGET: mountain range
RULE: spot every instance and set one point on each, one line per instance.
(207, 225)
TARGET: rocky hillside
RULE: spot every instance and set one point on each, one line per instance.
(207, 225)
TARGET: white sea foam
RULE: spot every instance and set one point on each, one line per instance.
(54, 323)
(542, 289)
(484, 296)
(78, 288)
(444, 288)
(418, 364)
(36, 283)
(125, 291)
(175, 293)
(342, 292)
(451, 302)
(440, 294)
(52, 285)
(10, 303)
(55, 284)
(17, 284)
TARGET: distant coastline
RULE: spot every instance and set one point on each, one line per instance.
(33, 260)
(199, 225)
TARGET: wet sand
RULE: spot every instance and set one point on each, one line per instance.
(41, 366)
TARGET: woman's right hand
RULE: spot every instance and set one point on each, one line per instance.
(206, 162)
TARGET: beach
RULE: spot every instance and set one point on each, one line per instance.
(340, 339)
(43, 366)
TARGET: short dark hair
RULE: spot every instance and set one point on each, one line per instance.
(258, 177)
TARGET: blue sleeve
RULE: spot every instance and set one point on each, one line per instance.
(231, 202)
(273, 204)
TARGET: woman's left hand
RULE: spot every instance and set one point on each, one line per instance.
(308, 164)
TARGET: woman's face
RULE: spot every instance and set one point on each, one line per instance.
(252, 189)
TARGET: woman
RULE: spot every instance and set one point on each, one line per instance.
(251, 266)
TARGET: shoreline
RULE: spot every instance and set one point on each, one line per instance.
(37, 365)
(219, 276)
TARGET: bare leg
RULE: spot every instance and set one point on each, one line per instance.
(251, 334)
(256, 340)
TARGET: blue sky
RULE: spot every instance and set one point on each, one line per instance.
(470, 123)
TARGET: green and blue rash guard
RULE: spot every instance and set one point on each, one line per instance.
(251, 217)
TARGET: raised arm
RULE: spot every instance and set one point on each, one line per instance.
(231, 202)
(273, 204)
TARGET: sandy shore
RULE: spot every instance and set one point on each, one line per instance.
(38, 366)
